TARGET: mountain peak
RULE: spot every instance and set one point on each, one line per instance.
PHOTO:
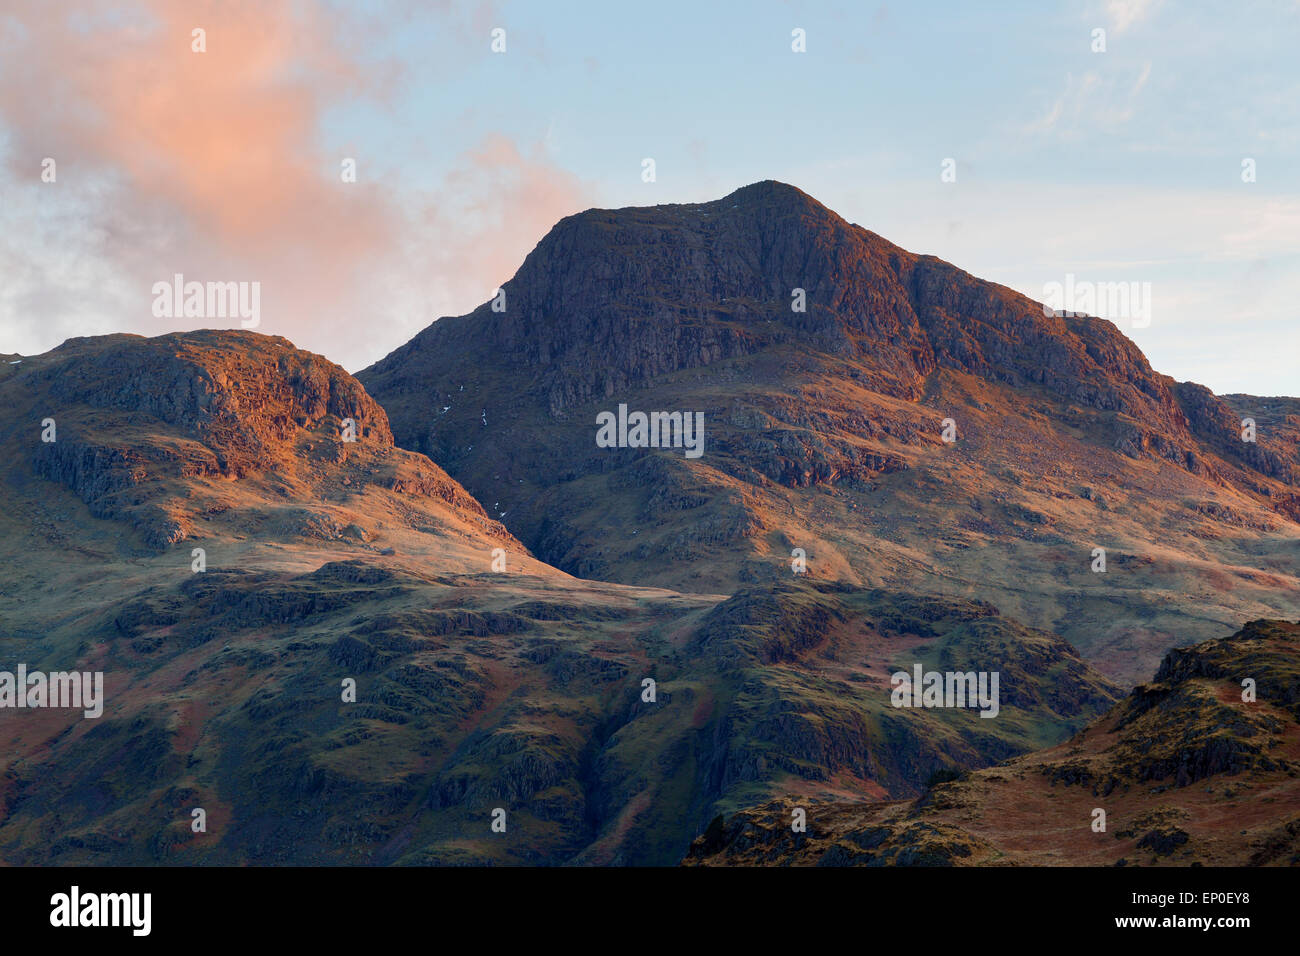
(769, 193)
(824, 361)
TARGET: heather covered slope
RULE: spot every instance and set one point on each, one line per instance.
(476, 688)
(823, 429)
(486, 691)
(1187, 772)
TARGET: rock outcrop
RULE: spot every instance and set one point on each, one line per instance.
(174, 432)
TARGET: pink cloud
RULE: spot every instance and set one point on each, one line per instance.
(504, 202)
(212, 164)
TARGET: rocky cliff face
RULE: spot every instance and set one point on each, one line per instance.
(615, 299)
(247, 395)
(823, 429)
(171, 433)
(1191, 769)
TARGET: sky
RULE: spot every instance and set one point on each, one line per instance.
(1126, 164)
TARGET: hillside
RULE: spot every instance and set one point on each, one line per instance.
(1186, 771)
(477, 686)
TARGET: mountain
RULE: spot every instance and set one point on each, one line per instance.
(1186, 771)
(823, 430)
(478, 685)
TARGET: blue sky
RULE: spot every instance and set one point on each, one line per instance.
(1115, 166)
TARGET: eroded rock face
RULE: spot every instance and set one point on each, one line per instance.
(244, 396)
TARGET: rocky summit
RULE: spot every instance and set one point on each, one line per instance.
(197, 437)
(891, 419)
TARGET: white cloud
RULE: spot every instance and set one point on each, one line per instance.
(1123, 14)
(1224, 265)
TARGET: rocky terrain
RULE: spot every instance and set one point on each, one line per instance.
(356, 619)
(824, 430)
(478, 685)
(1186, 771)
